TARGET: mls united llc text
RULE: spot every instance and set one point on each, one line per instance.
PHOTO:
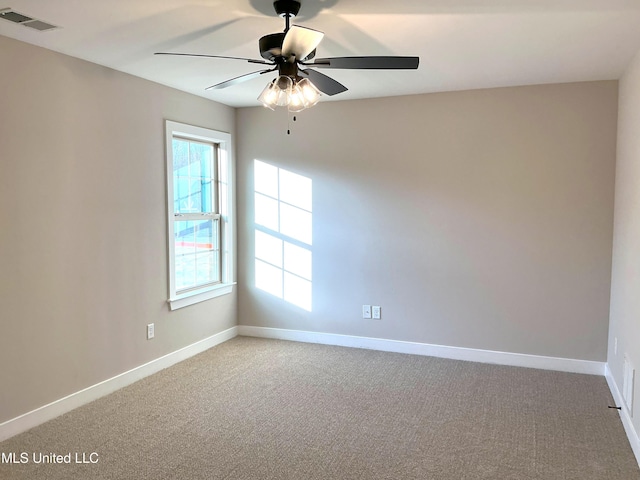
(39, 457)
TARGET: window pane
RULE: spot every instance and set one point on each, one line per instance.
(181, 155)
(201, 160)
(182, 195)
(269, 248)
(192, 202)
(297, 291)
(207, 270)
(269, 278)
(206, 196)
(266, 211)
(297, 260)
(195, 160)
(295, 223)
(193, 177)
(265, 178)
(204, 234)
(197, 253)
(185, 251)
(295, 189)
(182, 276)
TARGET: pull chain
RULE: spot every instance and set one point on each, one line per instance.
(289, 122)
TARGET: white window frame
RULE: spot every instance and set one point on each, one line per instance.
(224, 189)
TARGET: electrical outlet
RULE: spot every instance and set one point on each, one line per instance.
(151, 331)
(366, 311)
(377, 311)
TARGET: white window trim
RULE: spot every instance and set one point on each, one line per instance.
(173, 129)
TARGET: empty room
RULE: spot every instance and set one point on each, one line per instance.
(327, 239)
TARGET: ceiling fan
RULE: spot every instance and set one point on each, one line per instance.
(292, 54)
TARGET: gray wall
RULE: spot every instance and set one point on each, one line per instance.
(82, 210)
(477, 219)
(625, 279)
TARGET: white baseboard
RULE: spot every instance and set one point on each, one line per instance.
(48, 412)
(455, 353)
(632, 434)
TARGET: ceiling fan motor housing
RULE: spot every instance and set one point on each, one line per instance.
(286, 7)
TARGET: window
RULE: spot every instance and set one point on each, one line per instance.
(283, 234)
(199, 214)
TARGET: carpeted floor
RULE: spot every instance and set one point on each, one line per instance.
(266, 409)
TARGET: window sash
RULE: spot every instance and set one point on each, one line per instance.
(199, 264)
(211, 179)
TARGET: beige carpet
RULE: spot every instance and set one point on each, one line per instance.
(266, 409)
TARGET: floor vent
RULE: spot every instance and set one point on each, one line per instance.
(25, 20)
(628, 372)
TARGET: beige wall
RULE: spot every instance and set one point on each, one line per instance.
(82, 210)
(477, 219)
(625, 279)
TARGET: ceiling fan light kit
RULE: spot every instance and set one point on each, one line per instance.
(283, 92)
(298, 88)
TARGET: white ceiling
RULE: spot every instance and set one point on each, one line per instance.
(462, 44)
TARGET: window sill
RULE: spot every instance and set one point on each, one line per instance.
(198, 296)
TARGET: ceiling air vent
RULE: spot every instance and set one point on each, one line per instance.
(25, 20)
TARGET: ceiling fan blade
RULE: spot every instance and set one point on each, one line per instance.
(299, 42)
(250, 60)
(368, 63)
(240, 79)
(325, 84)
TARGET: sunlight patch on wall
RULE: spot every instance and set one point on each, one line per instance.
(283, 234)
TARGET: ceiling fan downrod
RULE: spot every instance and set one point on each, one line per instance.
(286, 9)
